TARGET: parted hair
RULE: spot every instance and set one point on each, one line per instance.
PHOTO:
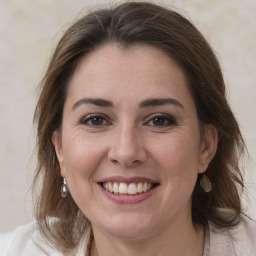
(128, 24)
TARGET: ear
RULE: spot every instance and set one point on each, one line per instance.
(208, 147)
(57, 143)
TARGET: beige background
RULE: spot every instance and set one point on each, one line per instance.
(28, 32)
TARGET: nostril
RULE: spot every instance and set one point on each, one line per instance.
(127, 161)
(127, 152)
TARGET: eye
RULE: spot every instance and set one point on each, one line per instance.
(94, 120)
(160, 120)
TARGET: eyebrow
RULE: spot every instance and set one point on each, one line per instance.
(144, 104)
(93, 101)
(160, 102)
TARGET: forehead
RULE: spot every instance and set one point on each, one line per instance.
(136, 71)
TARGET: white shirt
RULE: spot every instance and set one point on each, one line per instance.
(235, 241)
(26, 240)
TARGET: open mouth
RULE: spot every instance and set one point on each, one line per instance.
(128, 188)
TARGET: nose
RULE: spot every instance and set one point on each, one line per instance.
(127, 148)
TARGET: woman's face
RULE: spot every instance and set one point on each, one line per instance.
(130, 147)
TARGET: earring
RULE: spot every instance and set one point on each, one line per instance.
(205, 183)
(64, 189)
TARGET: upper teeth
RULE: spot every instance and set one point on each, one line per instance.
(130, 189)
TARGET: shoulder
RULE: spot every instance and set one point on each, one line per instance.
(237, 240)
(21, 241)
(27, 240)
(15, 241)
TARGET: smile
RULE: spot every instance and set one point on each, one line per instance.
(127, 189)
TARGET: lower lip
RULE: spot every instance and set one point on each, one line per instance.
(128, 199)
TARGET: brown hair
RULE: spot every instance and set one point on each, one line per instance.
(129, 24)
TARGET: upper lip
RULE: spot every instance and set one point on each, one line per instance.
(127, 179)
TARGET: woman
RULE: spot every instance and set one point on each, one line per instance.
(137, 146)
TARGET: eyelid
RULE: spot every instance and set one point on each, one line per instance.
(172, 120)
(86, 118)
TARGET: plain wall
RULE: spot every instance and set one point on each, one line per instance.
(29, 31)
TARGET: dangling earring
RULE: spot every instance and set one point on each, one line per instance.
(64, 189)
(206, 184)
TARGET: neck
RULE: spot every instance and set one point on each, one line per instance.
(183, 240)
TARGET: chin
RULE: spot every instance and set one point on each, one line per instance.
(128, 228)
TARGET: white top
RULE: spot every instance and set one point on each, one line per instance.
(237, 241)
(26, 240)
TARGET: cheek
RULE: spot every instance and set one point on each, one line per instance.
(81, 156)
(178, 155)
(81, 159)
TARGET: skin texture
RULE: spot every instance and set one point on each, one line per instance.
(128, 140)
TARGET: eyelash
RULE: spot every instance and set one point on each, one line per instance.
(167, 120)
(86, 119)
